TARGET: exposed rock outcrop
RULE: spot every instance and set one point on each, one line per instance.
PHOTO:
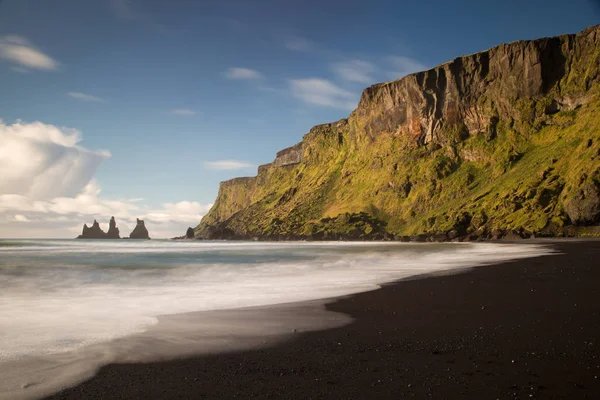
(140, 231)
(93, 232)
(189, 234)
(502, 143)
(113, 231)
(291, 155)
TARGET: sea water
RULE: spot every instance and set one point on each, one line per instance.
(69, 306)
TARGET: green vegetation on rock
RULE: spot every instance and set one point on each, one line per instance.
(501, 142)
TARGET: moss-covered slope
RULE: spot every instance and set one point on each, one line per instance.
(505, 141)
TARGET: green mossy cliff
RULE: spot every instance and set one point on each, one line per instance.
(505, 142)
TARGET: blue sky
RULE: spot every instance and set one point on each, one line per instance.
(171, 89)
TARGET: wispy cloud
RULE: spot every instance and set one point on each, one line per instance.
(401, 66)
(123, 8)
(85, 97)
(301, 44)
(20, 218)
(20, 70)
(228, 165)
(242, 73)
(184, 112)
(18, 50)
(323, 93)
(184, 211)
(357, 71)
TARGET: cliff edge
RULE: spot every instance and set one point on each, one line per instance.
(505, 142)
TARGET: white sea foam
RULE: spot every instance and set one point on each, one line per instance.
(61, 297)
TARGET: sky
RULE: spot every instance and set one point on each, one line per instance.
(139, 108)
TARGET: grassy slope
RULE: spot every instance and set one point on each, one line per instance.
(525, 178)
(514, 181)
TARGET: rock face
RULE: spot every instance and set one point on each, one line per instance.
(113, 231)
(189, 234)
(502, 142)
(93, 232)
(291, 155)
(140, 231)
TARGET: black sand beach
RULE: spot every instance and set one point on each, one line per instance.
(520, 330)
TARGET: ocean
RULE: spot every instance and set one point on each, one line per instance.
(69, 306)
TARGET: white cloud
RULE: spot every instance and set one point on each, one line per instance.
(228, 165)
(185, 211)
(323, 92)
(402, 66)
(64, 216)
(18, 50)
(47, 181)
(183, 112)
(299, 44)
(84, 97)
(20, 218)
(43, 161)
(357, 71)
(242, 73)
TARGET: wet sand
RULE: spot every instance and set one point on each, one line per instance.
(523, 329)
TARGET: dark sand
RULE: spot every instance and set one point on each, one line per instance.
(527, 329)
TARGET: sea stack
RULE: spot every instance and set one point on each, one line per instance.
(95, 232)
(113, 231)
(189, 234)
(140, 231)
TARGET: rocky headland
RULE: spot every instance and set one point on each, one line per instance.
(504, 143)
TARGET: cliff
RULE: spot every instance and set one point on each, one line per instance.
(502, 142)
(140, 231)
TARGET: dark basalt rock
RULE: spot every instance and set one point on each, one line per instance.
(113, 231)
(189, 234)
(140, 231)
(93, 232)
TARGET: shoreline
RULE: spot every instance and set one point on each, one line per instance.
(521, 328)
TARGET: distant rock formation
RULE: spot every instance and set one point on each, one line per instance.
(189, 234)
(113, 231)
(95, 232)
(140, 231)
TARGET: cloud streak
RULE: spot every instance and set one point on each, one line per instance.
(229, 165)
(300, 44)
(18, 50)
(242, 73)
(323, 93)
(401, 66)
(183, 112)
(123, 8)
(355, 71)
(85, 97)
